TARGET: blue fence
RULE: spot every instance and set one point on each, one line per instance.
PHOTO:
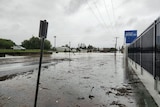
(145, 50)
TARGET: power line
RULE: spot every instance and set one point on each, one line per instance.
(114, 21)
(107, 12)
(93, 11)
(105, 4)
(98, 19)
(113, 10)
(100, 14)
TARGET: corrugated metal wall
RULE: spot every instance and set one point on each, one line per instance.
(145, 50)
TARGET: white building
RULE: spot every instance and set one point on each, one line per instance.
(18, 47)
(62, 49)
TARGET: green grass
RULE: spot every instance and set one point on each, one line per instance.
(12, 51)
(21, 51)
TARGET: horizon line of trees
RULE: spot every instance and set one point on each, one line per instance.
(6, 43)
(32, 43)
(35, 42)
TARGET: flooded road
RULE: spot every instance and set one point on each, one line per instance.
(87, 80)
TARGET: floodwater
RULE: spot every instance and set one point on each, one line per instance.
(71, 80)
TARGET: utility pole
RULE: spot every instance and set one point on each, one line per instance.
(116, 45)
(55, 43)
(69, 49)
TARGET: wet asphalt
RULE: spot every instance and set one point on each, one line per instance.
(75, 80)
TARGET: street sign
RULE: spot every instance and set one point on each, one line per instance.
(42, 34)
(43, 29)
(130, 35)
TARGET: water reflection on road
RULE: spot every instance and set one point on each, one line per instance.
(87, 80)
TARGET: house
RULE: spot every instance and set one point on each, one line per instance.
(73, 50)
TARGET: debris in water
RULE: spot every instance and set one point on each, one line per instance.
(101, 64)
(109, 92)
(80, 98)
(46, 67)
(86, 77)
(103, 87)
(121, 91)
(118, 104)
(69, 71)
(44, 88)
(78, 106)
(91, 97)
(92, 89)
(124, 90)
(28, 77)
(9, 98)
(134, 82)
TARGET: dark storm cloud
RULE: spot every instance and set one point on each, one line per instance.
(74, 6)
(131, 21)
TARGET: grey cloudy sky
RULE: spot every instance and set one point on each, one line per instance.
(95, 22)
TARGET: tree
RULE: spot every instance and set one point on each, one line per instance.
(26, 44)
(47, 44)
(82, 46)
(113, 49)
(78, 50)
(6, 44)
(35, 42)
(90, 48)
